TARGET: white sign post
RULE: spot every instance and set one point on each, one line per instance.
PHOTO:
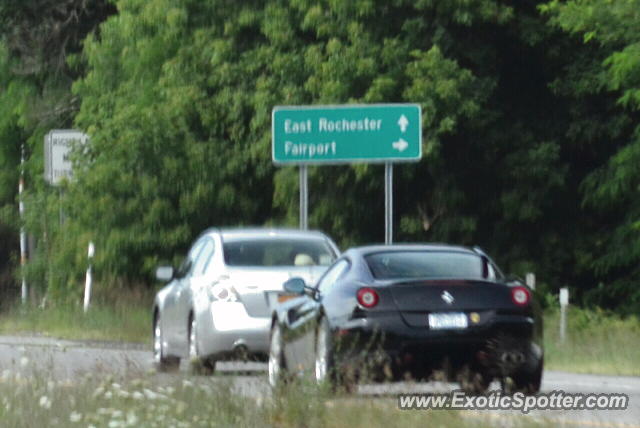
(564, 302)
(530, 280)
(89, 279)
(57, 148)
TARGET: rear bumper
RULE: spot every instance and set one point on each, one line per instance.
(387, 337)
(226, 327)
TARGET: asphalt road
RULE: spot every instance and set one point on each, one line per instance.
(70, 360)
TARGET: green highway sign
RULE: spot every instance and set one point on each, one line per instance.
(346, 133)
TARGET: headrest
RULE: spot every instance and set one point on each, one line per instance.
(303, 259)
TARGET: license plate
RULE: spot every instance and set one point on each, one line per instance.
(284, 297)
(448, 320)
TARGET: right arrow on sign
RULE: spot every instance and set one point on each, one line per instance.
(403, 122)
(400, 145)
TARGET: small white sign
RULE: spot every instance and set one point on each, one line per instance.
(57, 148)
(564, 296)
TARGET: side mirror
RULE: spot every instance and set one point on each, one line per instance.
(295, 285)
(164, 273)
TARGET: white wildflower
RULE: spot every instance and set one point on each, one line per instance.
(75, 416)
(132, 419)
(137, 395)
(187, 383)
(108, 395)
(24, 362)
(123, 394)
(45, 402)
(150, 394)
(98, 392)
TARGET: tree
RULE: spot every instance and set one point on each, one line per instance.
(37, 41)
(608, 83)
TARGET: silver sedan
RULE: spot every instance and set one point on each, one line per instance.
(217, 304)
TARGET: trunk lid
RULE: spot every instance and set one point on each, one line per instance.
(258, 288)
(417, 299)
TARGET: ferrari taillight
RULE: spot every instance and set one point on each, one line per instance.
(367, 297)
(520, 296)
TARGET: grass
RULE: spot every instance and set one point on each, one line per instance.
(120, 315)
(596, 342)
(36, 399)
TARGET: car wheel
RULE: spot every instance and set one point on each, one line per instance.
(277, 367)
(530, 383)
(160, 361)
(526, 382)
(324, 362)
(197, 364)
(326, 372)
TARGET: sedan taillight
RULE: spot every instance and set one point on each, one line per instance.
(367, 297)
(520, 296)
(223, 292)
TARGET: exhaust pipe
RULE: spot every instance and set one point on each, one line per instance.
(512, 358)
(241, 351)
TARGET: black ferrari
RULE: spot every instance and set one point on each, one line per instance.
(410, 311)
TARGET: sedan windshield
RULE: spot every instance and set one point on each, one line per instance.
(277, 252)
(425, 264)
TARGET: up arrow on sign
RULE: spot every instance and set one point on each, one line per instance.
(402, 123)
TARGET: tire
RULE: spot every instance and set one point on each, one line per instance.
(324, 368)
(326, 372)
(526, 382)
(277, 371)
(161, 362)
(197, 364)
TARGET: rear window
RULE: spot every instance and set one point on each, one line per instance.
(277, 252)
(424, 264)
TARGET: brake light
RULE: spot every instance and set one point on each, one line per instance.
(367, 297)
(520, 296)
(222, 292)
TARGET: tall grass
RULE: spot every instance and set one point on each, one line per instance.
(119, 314)
(37, 400)
(596, 342)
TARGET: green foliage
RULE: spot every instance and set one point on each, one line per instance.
(530, 115)
(611, 188)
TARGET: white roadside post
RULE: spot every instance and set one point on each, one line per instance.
(564, 302)
(88, 281)
(530, 280)
(24, 293)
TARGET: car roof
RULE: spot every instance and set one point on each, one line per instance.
(371, 249)
(265, 232)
